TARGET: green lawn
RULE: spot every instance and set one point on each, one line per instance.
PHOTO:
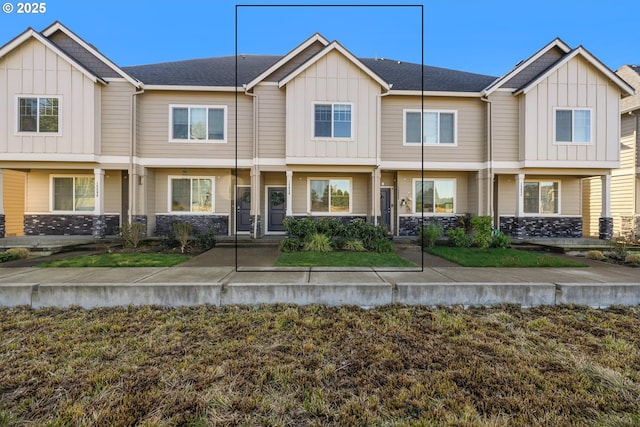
(341, 259)
(497, 257)
(119, 260)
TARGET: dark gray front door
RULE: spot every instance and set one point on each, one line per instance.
(385, 208)
(277, 202)
(243, 214)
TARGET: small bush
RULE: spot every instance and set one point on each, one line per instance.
(382, 246)
(482, 231)
(597, 255)
(620, 249)
(206, 240)
(354, 245)
(7, 256)
(500, 240)
(459, 237)
(292, 244)
(132, 234)
(318, 243)
(331, 227)
(20, 253)
(365, 231)
(181, 232)
(428, 234)
(633, 259)
(301, 228)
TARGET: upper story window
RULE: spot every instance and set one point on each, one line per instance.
(541, 197)
(198, 123)
(332, 121)
(73, 193)
(330, 195)
(38, 114)
(438, 127)
(434, 196)
(191, 194)
(573, 125)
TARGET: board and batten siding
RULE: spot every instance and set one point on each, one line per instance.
(505, 122)
(575, 84)
(154, 122)
(471, 129)
(116, 118)
(35, 70)
(271, 121)
(332, 79)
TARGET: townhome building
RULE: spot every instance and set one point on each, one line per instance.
(239, 143)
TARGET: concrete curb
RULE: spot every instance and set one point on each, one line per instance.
(599, 295)
(16, 294)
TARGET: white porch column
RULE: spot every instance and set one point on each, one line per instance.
(99, 191)
(256, 201)
(375, 195)
(519, 195)
(606, 196)
(289, 193)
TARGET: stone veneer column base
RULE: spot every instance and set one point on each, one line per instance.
(142, 219)
(3, 226)
(259, 232)
(71, 225)
(605, 228)
(535, 226)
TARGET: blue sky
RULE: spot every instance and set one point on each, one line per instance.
(482, 36)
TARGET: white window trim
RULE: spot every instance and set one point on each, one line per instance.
(190, 212)
(572, 109)
(198, 141)
(430, 144)
(331, 138)
(52, 194)
(434, 213)
(531, 214)
(329, 178)
(16, 106)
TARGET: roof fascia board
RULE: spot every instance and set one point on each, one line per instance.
(334, 46)
(317, 37)
(31, 33)
(58, 26)
(435, 93)
(524, 64)
(624, 86)
(193, 88)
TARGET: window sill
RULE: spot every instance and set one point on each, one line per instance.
(196, 141)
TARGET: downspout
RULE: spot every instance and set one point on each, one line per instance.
(256, 159)
(490, 157)
(132, 152)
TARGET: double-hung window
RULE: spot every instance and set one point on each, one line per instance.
(436, 127)
(38, 114)
(330, 195)
(434, 196)
(191, 194)
(73, 193)
(541, 197)
(332, 121)
(573, 125)
(198, 123)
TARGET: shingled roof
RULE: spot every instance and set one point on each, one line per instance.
(220, 71)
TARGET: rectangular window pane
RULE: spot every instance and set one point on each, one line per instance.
(62, 194)
(48, 110)
(322, 120)
(201, 195)
(340, 193)
(563, 126)
(85, 194)
(446, 128)
(180, 123)
(28, 114)
(424, 196)
(342, 121)
(180, 195)
(548, 197)
(531, 197)
(216, 124)
(197, 123)
(319, 195)
(430, 133)
(412, 132)
(444, 194)
(582, 126)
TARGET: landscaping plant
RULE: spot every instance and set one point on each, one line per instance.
(132, 234)
(318, 243)
(482, 231)
(206, 240)
(382, 246)
(291, 244)
(459, 237)
(500, 240)
(181, 232)
(429, 233)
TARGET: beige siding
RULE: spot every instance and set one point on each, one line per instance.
(623, 180)
(112, 191)
(360, 191)
(463, 187)
(154, 121)
(271, 121)
(569, 193)
(633, 78)
(223, 188)
(13, 201)
(34, 70)
(333, 78)
(576, 84)
(470, 133)
(116, 118)
(505, 118)
(592, 207)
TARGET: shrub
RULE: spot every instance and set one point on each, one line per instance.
(206, 240)
(465, 222)
(482, 234)
(331, 227)
(428, 234)
(318, 243)
(354, 245)
(633, 259)
(365, 231)
(292, 244)
(132, 234)
(8, 256)
(597, 255)
(459, 237)
(20, 253)
(301, 228)
(500, 240)
(382, 246)
(181, 232)
(620, 250)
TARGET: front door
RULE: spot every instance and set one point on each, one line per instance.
(277, 202)
(385, 208)
(243, 207)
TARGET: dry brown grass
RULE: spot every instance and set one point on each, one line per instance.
(293, 366)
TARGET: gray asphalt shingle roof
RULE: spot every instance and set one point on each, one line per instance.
(220, 71)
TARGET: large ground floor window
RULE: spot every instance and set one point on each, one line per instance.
(330, 195)
(434, 196)
(191, 194)
(73, 193)
(541, 197)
